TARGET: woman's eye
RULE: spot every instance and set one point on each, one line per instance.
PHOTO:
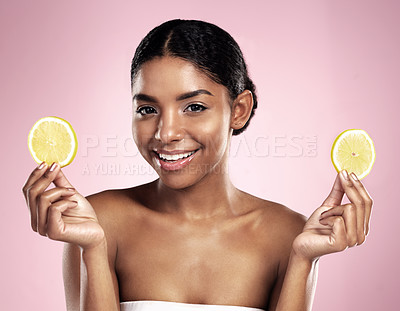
(146, 110)
(195, 108)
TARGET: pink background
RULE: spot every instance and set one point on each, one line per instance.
(320, 67)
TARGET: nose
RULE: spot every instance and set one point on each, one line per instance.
(169, 127)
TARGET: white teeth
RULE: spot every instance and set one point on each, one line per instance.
(175, 157)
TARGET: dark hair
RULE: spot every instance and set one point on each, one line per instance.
(208, 47)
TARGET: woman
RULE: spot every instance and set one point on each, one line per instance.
(190, 240)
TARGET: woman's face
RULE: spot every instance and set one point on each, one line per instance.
(181, 121)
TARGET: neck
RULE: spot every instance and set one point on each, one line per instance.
(211, 197)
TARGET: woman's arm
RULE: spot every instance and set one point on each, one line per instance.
(89, 279)
(62, 214)
(331, 228)
(296, 280)
(71, 276)
(98, 287)
(299, 283)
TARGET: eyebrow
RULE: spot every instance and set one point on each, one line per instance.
(193, 94)
(151, 99)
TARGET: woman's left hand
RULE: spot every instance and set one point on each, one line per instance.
(334, 227)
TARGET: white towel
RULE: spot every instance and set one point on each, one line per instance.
(150, 305)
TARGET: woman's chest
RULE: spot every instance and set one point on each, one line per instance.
(196, 266)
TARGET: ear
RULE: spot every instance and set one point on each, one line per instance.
(241, 109)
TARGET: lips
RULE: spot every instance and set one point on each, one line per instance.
(175, 160)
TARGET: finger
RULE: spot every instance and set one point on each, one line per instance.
(46, 199)
(368, 202)
(338, 238)
(355, 197)
(335, 196)
(55, 224)
(36, 189)
(60, 180)
(348, 212)
(33, 177)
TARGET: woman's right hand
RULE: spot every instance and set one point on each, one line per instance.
(60, 213)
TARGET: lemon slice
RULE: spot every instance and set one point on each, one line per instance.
(354, 151)
(52, 139)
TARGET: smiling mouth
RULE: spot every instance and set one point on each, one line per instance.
(174, 157)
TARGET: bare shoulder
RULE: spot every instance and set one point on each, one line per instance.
(108, 202)
(290, 221)
(277, 221)
(105, 200)
(114, 207)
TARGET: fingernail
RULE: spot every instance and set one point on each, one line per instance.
(71, 189)
(345, 175)
(354, 176)
(41, 165)
(53, 166)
